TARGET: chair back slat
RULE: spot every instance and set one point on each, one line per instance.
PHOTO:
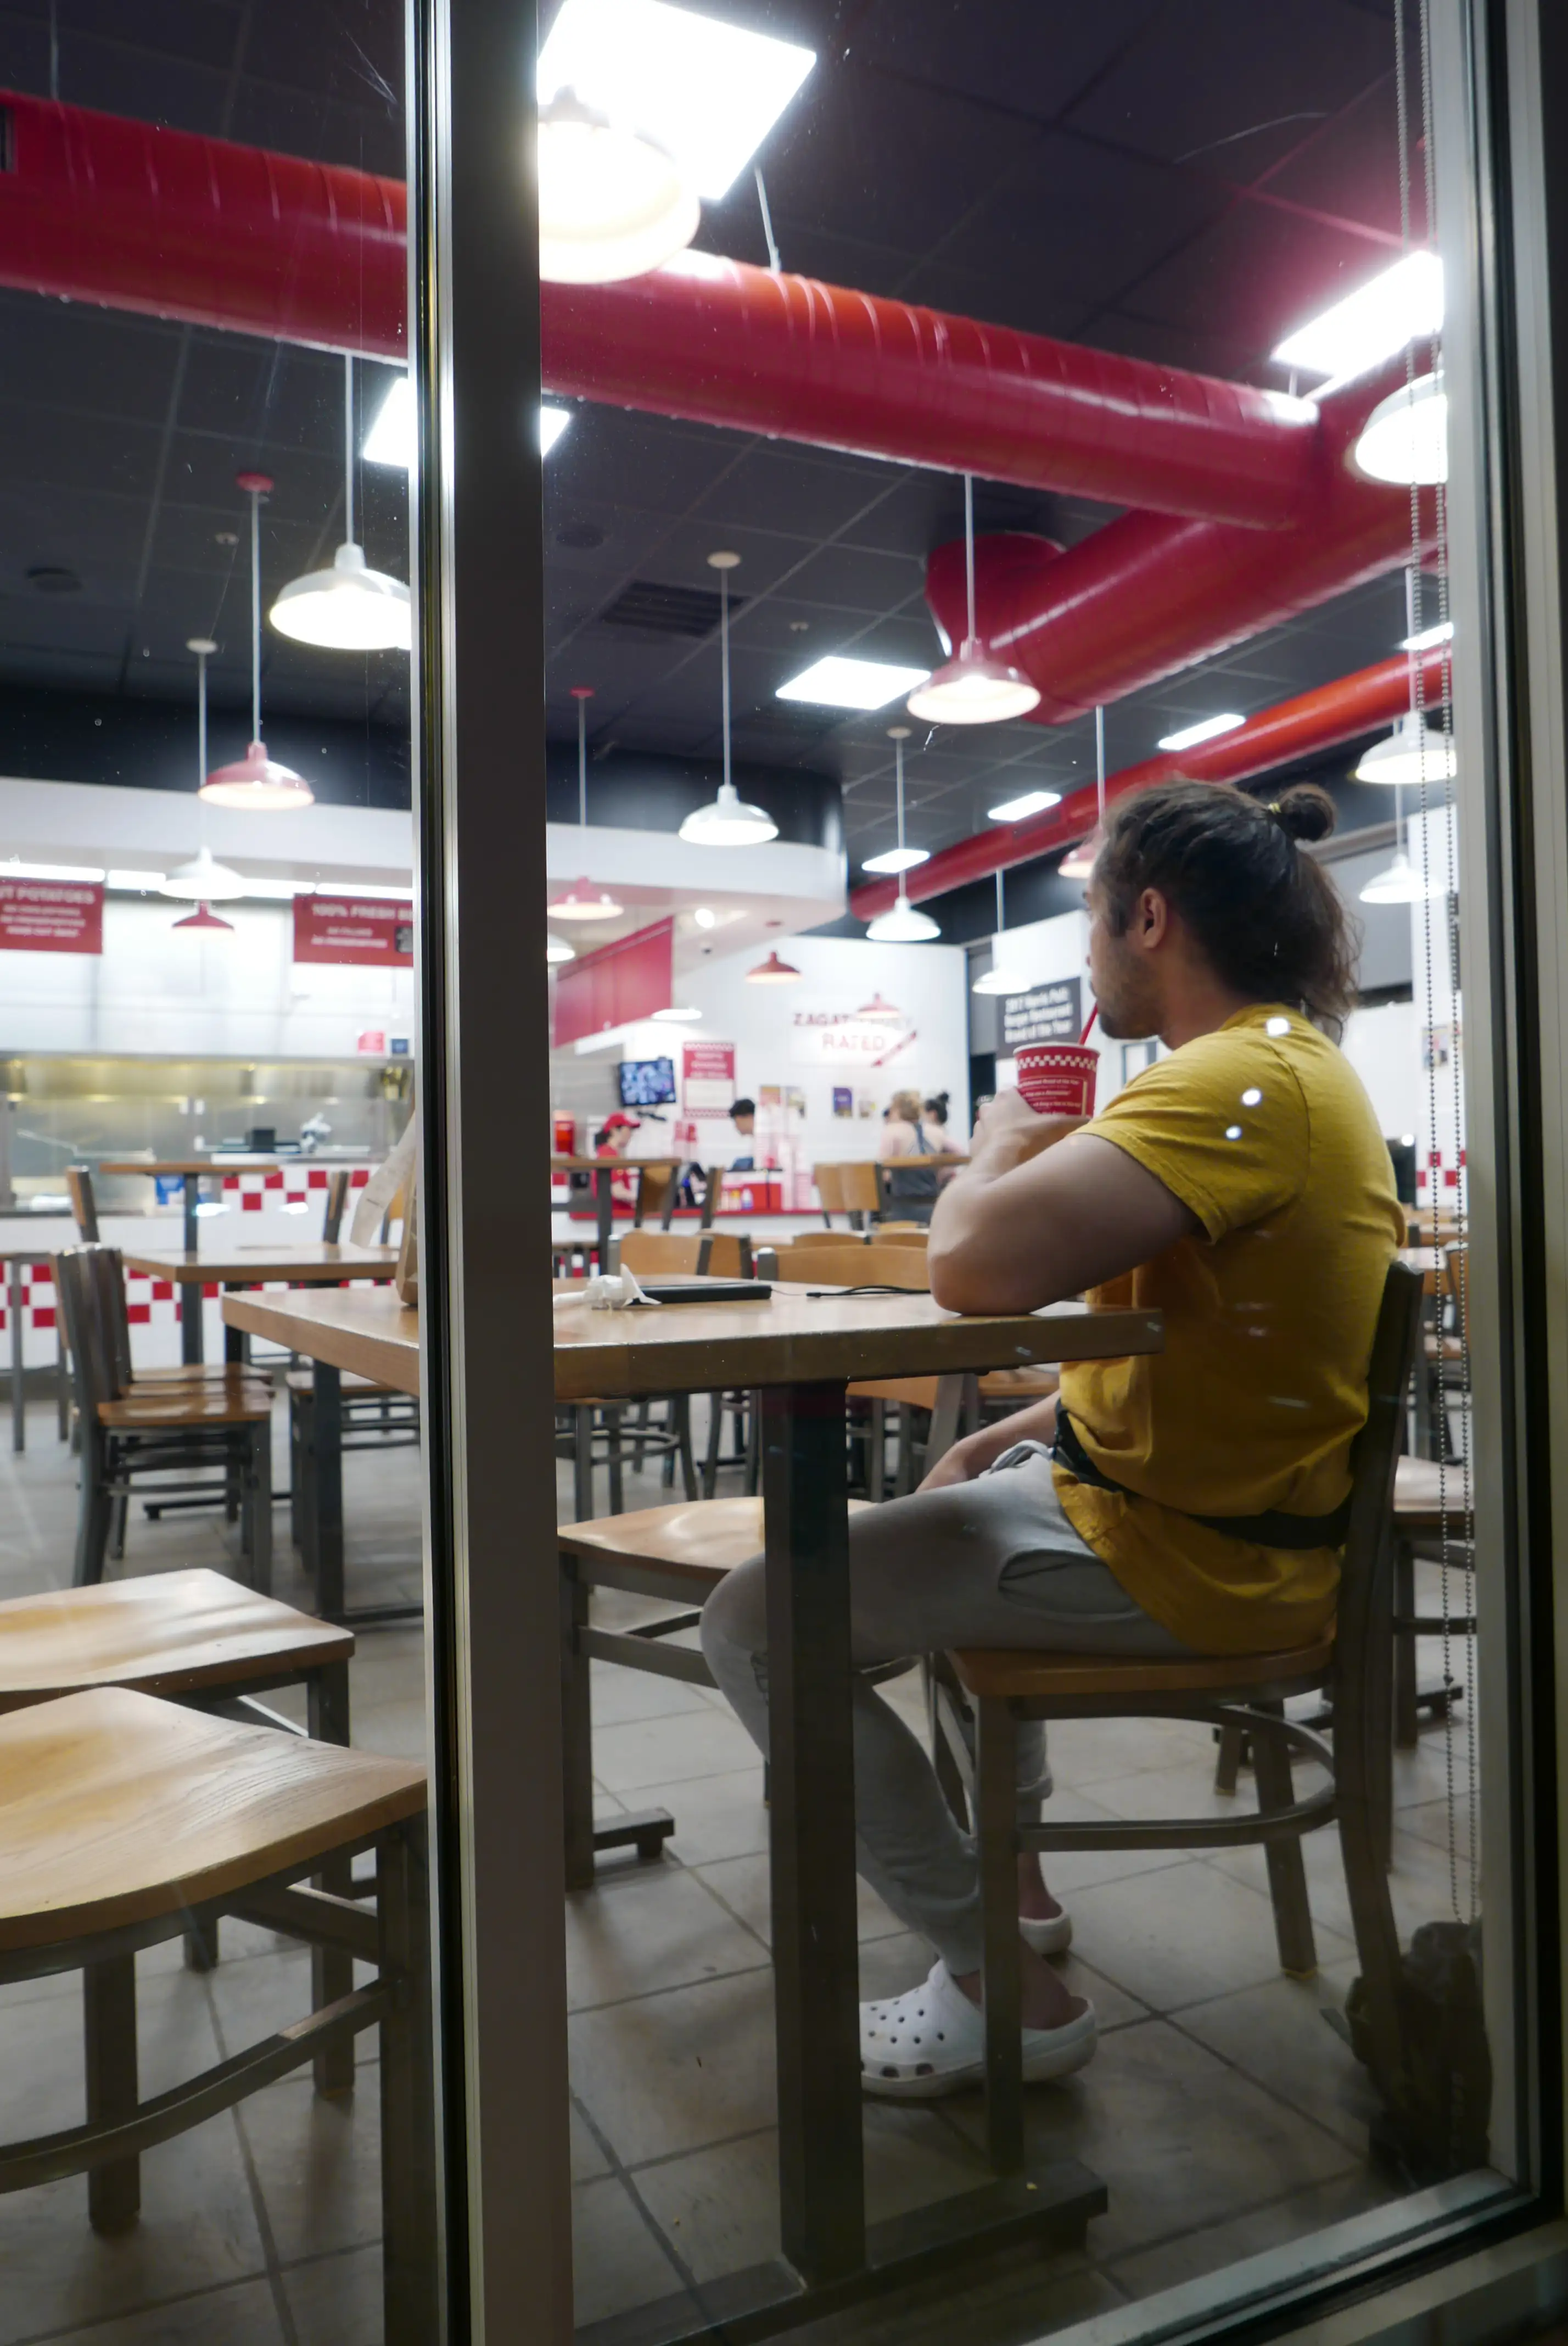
(806, 1263)
(337, 1199)
(83, 1205)
(88, 1341)
(666, 1254)
(830, 1188)
(862, 1189)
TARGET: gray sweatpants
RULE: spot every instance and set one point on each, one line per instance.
(992, 1562)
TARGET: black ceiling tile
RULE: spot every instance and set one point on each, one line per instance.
(970, 290)
(858, 160)
(117, 79)
(1226, 83)
(285, 121)
(1033, 60)
(95, 454)
(352, 52)
(91, 533)
(1351, 168)
(64, 671)
(1255, 276)
(196, 31)
(805, 493)
(76, 360)
(850, 578)
(1208, 349)
(62, 623)
(23, 53)
(641, 461)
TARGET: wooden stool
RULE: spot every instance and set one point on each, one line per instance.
(122, 1820)
(678, 1555)
(1247, 1690)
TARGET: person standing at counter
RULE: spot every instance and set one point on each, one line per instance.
(743, 1117)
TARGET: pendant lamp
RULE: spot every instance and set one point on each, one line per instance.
(975, 686)
(772, 971)
(204, 921)
(902, 925)
(994, 980)
(613, 202)
(1405, 438)
(201, 879)
(1399, 761)
(880, 1012)
(1078, 863)
(580, 903)
(1399, 883)
(349, 608)
(556, 949)
(256, 780)
(1412, 749)
(728, 821)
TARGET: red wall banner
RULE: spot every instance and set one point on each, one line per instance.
(629, 979)
(51, 916)
(708, 1079)
(365, 930)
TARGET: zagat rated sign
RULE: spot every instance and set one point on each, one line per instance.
(830, 1038)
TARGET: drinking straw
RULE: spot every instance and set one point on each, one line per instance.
(1089, 1024)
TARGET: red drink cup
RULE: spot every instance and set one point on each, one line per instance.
(1058, 1078)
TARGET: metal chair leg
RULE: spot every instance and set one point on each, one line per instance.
(1286, 1867)
(410, 2269)
(682, 1415)
(577, 1731)
(583, 1464)
(109, 2032)
(1227, 1766)
(613, 1454)
(332, 1968)
(996, 1806)
(95, 1512)
(715, 1442)
(877, 1450)
(1407, 1718)
(259, 1495)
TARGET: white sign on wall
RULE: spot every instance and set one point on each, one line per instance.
(831, 1038)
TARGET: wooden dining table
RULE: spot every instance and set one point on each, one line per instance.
(308, 1263)
(797, 1350)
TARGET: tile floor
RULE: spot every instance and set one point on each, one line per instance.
(1224, 2114)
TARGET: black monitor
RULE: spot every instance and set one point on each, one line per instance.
(648, 1083)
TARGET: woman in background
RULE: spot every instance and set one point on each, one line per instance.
(910, 1192)
(933, 1124)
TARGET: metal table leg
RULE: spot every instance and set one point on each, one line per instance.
(236, 1341)
(805, 1498)
(604, 1195)
(327, 1490)
(18, 1401)
(190, 1332)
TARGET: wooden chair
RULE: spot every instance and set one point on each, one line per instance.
(126, 1434)
(128, 1819)
(677, 1555)
(1351, 1665)
(828, 1181)
(592, 1431)
(862, 1192)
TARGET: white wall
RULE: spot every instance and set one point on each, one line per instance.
(156, 990)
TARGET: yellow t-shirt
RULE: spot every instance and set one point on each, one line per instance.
(1264, 1131)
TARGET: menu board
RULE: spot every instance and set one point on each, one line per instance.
(366, 930)
(51, 916)
(1051, 1013)
(707, 1078)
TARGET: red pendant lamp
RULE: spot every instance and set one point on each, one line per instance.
(257, 781)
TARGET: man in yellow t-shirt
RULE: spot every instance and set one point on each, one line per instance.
(1188, 1501)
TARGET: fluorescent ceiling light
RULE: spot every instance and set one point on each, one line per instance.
(1405, 439)
(1204, 730)
(354, 888)
(675, 1017)
(1429, 638)
(1403, 304)
(87, 873)
(1018, 810)
(837, 682)
(138, 882)
(897, 858)
(392, 438)
(708, 92)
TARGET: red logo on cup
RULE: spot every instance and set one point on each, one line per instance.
(1058, 1078)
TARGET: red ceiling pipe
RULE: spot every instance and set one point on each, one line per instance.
(1312, 721)
(1147, 595)
(721, 342)
(139, 218)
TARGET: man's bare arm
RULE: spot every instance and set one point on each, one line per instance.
(1044, 1211)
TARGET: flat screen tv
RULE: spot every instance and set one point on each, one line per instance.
(648, 1083)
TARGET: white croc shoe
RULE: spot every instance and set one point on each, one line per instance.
(933, 2041)
(1053, 1937)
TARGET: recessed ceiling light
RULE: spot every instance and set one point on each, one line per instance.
(838, 682)
(1205, 729)
(708, 92)
(1429, 638)
(392, 439)
(1017, 809)
(1402, 304)
(85, 872)
(706, 917)
(897, 858)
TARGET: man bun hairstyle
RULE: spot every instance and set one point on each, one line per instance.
(1268, 918)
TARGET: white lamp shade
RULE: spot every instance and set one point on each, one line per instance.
(1405, 438)
(202, 880)
(612, 203)
(973, 689)
(1399, 884)
(1000, 981)
(558, 950)
(258, 784)
(348, 609)
(580, 904)
(903, 925)
(728, 821)
(1078, 863)
(1411, 750)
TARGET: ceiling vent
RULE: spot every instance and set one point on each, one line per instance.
(656, 610)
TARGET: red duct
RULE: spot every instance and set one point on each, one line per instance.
(1316, 720)
(1147, 595)
(124, 213)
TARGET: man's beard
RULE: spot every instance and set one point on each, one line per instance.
(1127, 1012)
